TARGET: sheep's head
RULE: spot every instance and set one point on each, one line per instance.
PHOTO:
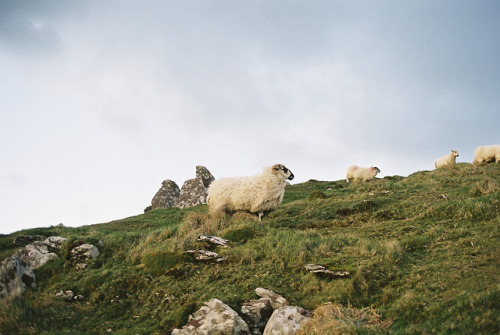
(455, 153)
(376, 169)
(281, 170)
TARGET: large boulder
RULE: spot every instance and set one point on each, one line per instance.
(214, 318)
(81, 254)
(193, 193)
(35, 254)
(286, 320)
(166, 196)
(15, 277)
(205, 175)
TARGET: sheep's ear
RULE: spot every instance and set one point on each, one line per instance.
(276, 168)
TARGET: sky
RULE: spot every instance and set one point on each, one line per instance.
(100, 101)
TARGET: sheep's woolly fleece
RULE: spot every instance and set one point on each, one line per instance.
(487, 154)
(357, 173)
(446, 160)
(256, 194)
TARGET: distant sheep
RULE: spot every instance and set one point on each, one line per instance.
(486, 154)
(447, 160)
(357, 173)
(256, 194)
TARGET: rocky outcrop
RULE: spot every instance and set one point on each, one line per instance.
(256, 313)
(275, 299)
(193, 193)
(166, 196)
(81, 254)
(205, 175)
(214, 318)
(35, 254)
(15, 277)
(286, 320)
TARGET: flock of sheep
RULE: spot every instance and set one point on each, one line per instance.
(263, 193)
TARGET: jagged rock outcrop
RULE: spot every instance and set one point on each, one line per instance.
(38, 253)
(166, 196)
(193, 193)
(205, 175)
(214, 318)
(15, 277)
(275, 299)
(286, 320)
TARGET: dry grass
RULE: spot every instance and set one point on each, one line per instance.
(336, 319)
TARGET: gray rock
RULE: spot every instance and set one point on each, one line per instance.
(215, 318)
(322, 271)
(213, 240)
(15, 277)
(203, 255)
(67, 296)
(286, 320)
(82, 253)
(193, 193)
(35, 254)
(276, 300)
(166, 196)
(205, 175)
(257, 313)
(54, 242)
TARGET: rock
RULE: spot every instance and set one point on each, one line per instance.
(24, 240)
(147, 209)
(54, 242)
(276, 300)
(15, 277)
(82, 253)
(213, 240)
(214, 318)
(203, 255)
(166, 196)
(321, 270)
(205, 175)
(35, 254)
(193, 193)
(256, 313)
(286, 321)
(67, 296)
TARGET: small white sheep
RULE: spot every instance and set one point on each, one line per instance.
(487, 153)
(446, 160)
(357, 173)
(256, 194)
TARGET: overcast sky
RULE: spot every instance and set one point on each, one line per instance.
(100, 101)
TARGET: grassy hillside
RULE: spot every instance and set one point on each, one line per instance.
(423, 253)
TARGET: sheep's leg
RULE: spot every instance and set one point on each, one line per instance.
(261, 214)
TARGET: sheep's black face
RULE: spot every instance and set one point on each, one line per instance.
(283, 169)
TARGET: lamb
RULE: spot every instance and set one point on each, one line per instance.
(357, 173)
(487, 153)
(446, 160)
(256, 194)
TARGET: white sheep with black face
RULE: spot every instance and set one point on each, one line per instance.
(447, 160)
(256, 194)
(362, 174)
(487, 154)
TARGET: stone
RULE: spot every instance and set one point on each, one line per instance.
(67, 296)
(275, 299)
(205, 175)
(24, 240)
(35, 254)
(54, 242)
(166, 196)
(193, 193)
(322, 271)
(203, 255)
(214, 318)
(82, 253)
(286, 320)
(15, 277)
(215, 240)
(256, 313)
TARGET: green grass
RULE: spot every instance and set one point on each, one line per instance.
(422, 252)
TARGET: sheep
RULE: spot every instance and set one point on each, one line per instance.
(256, 194)
(487, 153)
(357, 173)
(446, 160)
